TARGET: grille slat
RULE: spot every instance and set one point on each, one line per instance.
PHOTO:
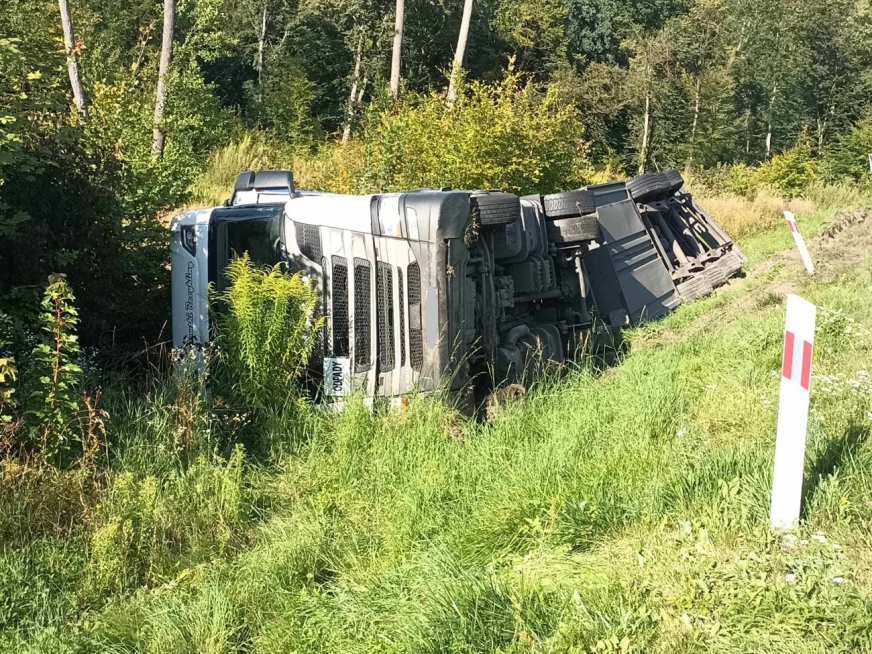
(402, 332)
(308, 240)
(339, 283)
(384, 288)
(416, 341)
(362, 308)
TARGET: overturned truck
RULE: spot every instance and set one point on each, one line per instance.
(456, 289)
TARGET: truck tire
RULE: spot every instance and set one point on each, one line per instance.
(573, 230)
(675, 181)
(536, 199)
(650, 186)
(566, 205)
(496, 208)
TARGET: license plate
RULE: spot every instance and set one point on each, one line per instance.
(337, 375)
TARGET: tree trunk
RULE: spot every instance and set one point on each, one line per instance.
(643, 155)
(695, 123)
(461, 50)
(352, 96)
(261, 41)
(72, 63)
(398, 45)
(748, 130)
(361, 91)
(769, 122)
(166, 54)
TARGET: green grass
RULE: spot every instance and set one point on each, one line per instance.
(622, 511)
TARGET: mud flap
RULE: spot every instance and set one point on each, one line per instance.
(626, 271)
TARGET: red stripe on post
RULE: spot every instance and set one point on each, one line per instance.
(792, 226)
(805, 379)
(787, 361)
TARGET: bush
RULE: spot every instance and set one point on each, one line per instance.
(848, 157)
(507, 135)
(266, 328)
(791, 171)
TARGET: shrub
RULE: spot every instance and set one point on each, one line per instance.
(848, 157)
(335, 167)
(790, 171)
(507, 135)
(266, 328)
(55, 402)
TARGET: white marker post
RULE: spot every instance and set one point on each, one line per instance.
(800, 242)
(792, 412)
(870, 161)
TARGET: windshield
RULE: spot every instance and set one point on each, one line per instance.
(233, 231)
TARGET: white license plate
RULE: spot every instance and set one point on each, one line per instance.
(337, 375)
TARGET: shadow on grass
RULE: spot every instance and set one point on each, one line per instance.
(837, 452)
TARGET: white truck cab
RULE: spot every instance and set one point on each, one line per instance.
(454, 289)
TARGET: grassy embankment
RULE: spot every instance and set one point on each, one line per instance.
(615, 512)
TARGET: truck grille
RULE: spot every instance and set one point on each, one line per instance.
(384, 288)
(402, 332)
(362, 308)
(340, 306)
(308, 240)
(416, 341)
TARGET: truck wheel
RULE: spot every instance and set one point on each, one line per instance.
(573, 230)
(674, 179)
(566, 205)
(496, 208)
(649, 186)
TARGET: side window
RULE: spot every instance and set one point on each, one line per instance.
(362, 308)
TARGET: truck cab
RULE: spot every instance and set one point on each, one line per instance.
(424, 289)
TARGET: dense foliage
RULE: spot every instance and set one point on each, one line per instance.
(177, 511)
(556, 90)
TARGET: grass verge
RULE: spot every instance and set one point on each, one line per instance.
(616, 512)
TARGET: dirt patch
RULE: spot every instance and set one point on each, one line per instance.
(845, 242)
(782, 289)
(844, 220)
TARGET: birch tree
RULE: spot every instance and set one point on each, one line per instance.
(72, 60)
(166, 52)
(398, 46)
(460, 52)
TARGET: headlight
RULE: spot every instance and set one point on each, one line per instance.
(189, 239)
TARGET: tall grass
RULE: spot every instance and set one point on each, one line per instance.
(252, 152)
(615, 511)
